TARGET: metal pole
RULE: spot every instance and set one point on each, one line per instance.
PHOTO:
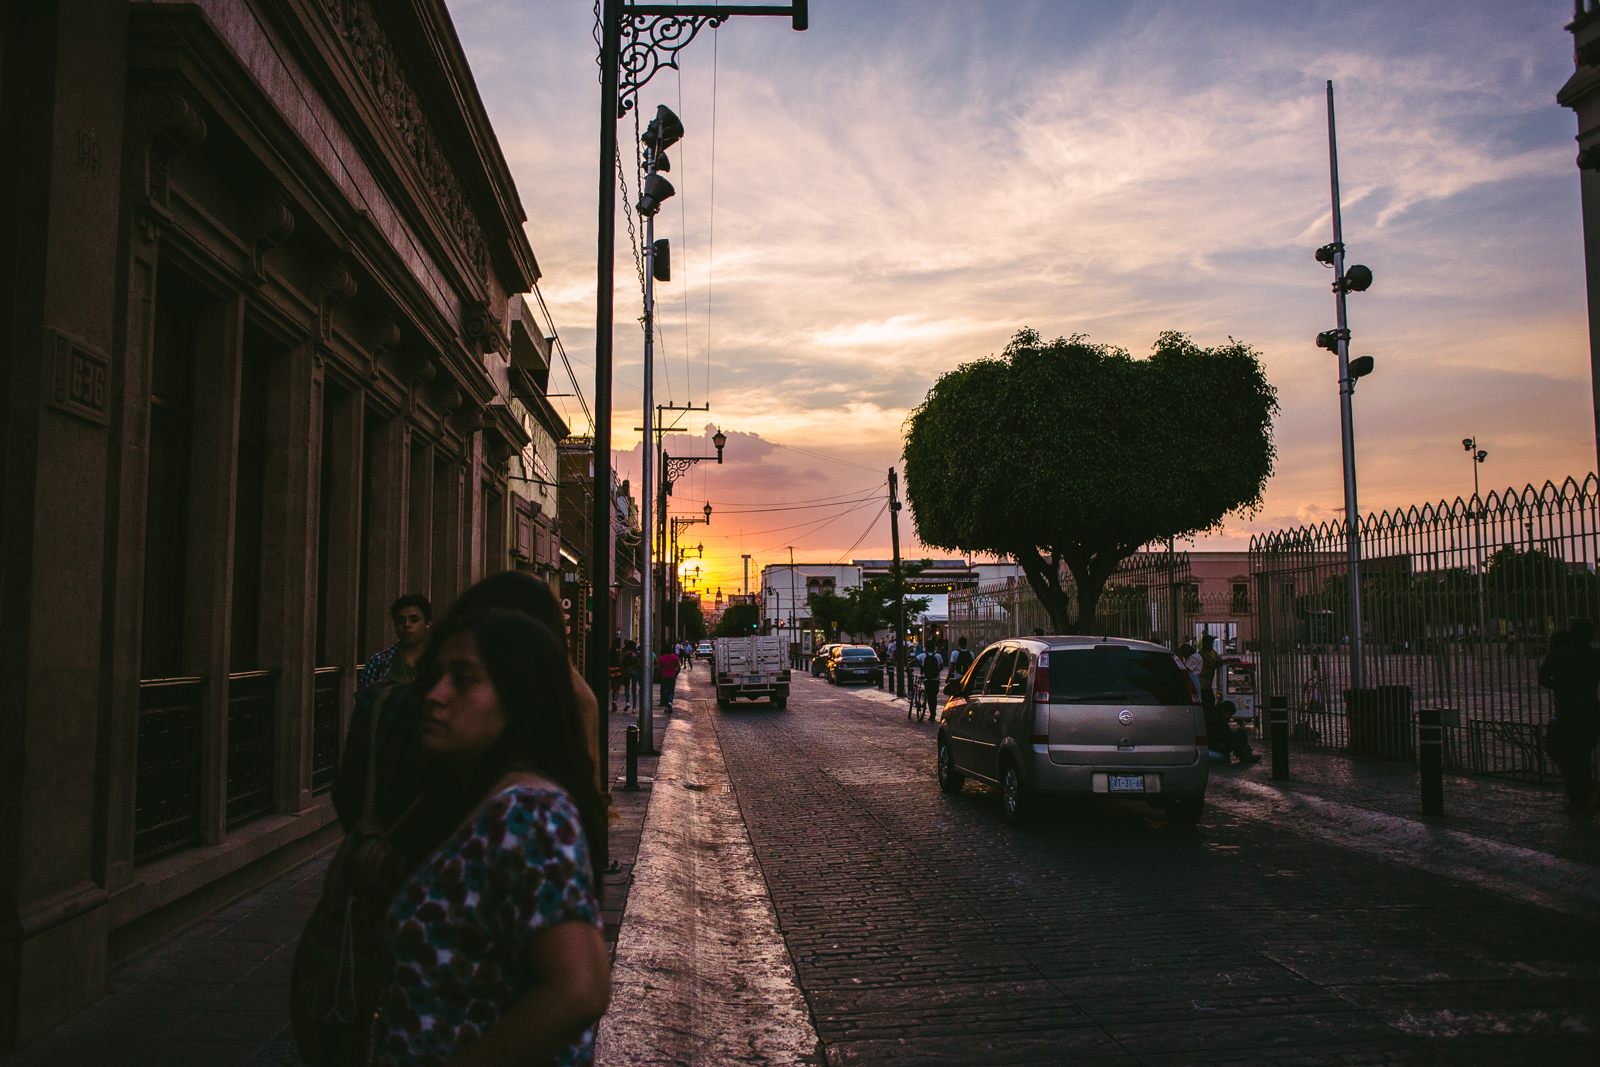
(647, 610)
(1172, 590)
(632, 783)
(899, 590)
(1352, 516)
(596, 663)
(791, 639)
(1279, 723)
(1432, 761)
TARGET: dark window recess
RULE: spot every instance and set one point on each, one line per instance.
(249, 517)
(1110, 675)
(177, 307)
(167, 778)
(252, 699)
(325, 727)
(1241, 598)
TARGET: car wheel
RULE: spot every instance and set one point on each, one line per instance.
(950, 779)
(1016, 802)
(1185, 811)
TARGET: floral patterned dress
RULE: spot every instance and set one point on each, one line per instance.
(460, 927)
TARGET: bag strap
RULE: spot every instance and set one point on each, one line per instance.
(370, 804)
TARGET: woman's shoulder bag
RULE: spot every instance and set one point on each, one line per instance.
(340, 965)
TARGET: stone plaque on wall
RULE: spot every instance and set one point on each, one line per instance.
(79, 378)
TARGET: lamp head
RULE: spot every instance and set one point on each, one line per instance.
(1360, 367)
(1467, 443)
(708, 512)
(1357, 279)
(664, 131)
(719, 439)
(656, 191)
(1482, 455)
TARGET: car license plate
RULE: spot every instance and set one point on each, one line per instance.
(756, 679)
(1126, 783)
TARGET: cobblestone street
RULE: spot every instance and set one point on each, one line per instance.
(923, 930)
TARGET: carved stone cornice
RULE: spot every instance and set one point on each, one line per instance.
(371, 53)
(334, 286)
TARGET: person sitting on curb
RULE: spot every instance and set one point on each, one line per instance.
(1224, 738)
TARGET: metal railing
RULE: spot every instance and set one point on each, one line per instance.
(1459, 601)
(325, 696)
(1137, 602)
(167, 772)
(252, 716)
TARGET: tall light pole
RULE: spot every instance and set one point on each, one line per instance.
(636, 41)
(1356, 279)
(1477, 455)
(664, 131)
(899, 590)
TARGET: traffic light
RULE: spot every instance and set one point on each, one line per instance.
(661, 261)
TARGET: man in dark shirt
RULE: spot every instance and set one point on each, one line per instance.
(1572, 672)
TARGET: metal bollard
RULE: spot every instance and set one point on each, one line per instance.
(632, 784)
(880, 681)
(1279, 711)
(1431, 736)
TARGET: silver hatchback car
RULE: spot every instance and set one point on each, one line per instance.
(1077, 716)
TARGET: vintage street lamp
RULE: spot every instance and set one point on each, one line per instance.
(1356, 279)
(636, 41)
(719, 439)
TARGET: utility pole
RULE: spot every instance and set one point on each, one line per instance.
(746, 558)
(793, 642)
(899, 590)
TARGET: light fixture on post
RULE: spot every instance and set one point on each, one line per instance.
(1355, 279)
(708, 512)
(719, 439)
(636, 41)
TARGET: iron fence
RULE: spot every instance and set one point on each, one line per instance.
(252, 705)
(1141, 600)
(167, 772)
(1459, 601)
(325, 697)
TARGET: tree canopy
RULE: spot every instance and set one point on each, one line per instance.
(865, 609)
(691, 620)
(1073, 453)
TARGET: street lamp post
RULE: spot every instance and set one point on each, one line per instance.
(1477, 455)
(636, 41)
(1356, 279)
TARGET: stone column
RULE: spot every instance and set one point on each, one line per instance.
(213, 486)
(341, 611)
(289, 564)
(62, 82)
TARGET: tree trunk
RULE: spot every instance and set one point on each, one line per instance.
(1045, 579)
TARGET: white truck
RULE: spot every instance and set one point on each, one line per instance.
(754, 666)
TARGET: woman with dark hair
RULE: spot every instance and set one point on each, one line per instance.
(402, 770)
(496, 940)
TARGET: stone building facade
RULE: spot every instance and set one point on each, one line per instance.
(265, 370)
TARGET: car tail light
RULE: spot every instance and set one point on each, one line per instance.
(1041, 679)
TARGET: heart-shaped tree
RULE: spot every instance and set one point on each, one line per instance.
(1075, 453)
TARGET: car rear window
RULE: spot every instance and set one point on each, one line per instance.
(859, 653)
(1116, 676)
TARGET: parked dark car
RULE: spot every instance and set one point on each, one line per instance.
(854, 663)
(1077, 716)
(819, 662)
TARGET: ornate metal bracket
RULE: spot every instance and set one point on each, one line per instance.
(675, 467)
(649, 43)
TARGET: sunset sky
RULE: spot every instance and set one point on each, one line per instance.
(902, 187)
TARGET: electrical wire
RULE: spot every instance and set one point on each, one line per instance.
(819, 455)
(791, 507)
(870, 526)
(809, 522)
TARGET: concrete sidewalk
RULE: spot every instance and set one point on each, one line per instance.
(216, 994)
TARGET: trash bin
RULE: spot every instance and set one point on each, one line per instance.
(1379, 721)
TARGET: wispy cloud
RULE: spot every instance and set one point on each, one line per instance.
(901, 188)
